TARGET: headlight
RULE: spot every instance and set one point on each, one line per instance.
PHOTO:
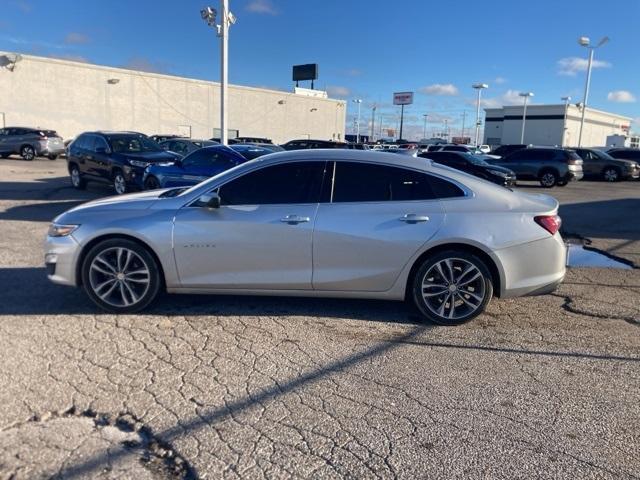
(138, 163)
(59, 230)
(499, 174)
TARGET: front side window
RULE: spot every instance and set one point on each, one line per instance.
(365, 182)
(290, 183)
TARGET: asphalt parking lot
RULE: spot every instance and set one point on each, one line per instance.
(246, 387)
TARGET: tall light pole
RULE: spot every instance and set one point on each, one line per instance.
(373, 122)
(424, 129)
(359, 102)
(479, 87)
(464, 119)
(525, 95)
(566, 100)
(208, 14)
(585, 42)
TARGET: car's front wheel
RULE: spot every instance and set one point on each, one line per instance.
(611, 174)
(119, 182)
(28, 152)
(76, 178)
(452, 287)
(52, 157)
(152, 183)
(121, 276)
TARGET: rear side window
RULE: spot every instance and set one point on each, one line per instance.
(363, 182)
(84, 142)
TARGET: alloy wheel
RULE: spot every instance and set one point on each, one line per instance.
(453, 288)
(28, 153)
(610, 175)
(119, 277)
(548, 179)
(75, 177)
(119, 184)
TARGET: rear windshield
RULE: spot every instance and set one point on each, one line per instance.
(48, 133)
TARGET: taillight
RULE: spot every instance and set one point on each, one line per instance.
(551, 223)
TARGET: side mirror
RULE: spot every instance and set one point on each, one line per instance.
(209, 200)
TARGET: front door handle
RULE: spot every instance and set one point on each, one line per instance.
(294, 219)
(413, 218)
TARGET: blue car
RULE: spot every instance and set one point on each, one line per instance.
(199, 165)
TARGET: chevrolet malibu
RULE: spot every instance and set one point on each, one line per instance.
(321, 223)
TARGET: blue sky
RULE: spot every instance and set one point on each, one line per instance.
(365, 48)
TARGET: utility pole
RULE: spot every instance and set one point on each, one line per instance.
(401, 120)
(373, 122)
(424, 129)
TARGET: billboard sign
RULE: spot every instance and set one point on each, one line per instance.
(305, 72)
(403, 98)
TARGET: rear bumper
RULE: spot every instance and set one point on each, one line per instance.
(574, 175)
(533, 268)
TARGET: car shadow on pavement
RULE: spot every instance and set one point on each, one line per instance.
(38, 212)
(614, 219)
(58, 188)
(27, 291)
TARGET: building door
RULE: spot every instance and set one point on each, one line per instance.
(184, 131)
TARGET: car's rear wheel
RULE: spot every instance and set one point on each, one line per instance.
(611, 174)
(76, 178)
(52, 157)
(152, 183)
(452, 287)
(27, 152)
(119, 182)
(121, 276)
(548, 178)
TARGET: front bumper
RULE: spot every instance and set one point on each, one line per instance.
(533, 268)
(60, 257)
(134, 175)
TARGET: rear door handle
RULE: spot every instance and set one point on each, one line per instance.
(413, 218)
(294, 219)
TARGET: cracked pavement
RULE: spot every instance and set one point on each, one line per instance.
(248, 387)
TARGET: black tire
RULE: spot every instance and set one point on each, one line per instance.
(473, 300)
(27, 152)
(5, 155)
(76, 177)
(107, 287)
(152, 183)
(119, 182)
(548, 178)
(52, 157)
(611, 174)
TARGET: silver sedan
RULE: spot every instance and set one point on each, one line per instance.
(325, 223)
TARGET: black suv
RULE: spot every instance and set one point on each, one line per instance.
(550, 166)
(119, 158)
(473, 165)
(304, 144)
(625, 153)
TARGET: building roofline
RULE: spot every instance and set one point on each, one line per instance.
(141, 73)
(556, 105)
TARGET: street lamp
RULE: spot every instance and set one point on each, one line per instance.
(424, 130)
(585, 42)
(359, 102)
(566, 100)
(208, 14)
(525, 95)
(479, 87)
(373, 122)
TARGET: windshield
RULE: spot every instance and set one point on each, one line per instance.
(133, 144)
(475, 160)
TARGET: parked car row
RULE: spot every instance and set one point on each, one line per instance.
(30, 143)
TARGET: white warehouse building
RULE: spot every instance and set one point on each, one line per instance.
(72, 97)
(552, 125)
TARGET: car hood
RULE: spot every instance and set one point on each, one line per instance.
(624, 162)
(139, 201)
(496, 168)
(152, 157)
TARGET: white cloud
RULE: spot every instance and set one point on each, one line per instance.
(353, 72)
(500, 80)
(75, 38)
(261, 6)
(636, 121)
(510, 97)
(338, 91)
(572, 65)
(621, 96)
(440, 89)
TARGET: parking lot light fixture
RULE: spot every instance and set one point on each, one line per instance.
(209, 14)
(526, 96)
(479, 87)
(566, 101)
(586, 42)
(359, 102)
